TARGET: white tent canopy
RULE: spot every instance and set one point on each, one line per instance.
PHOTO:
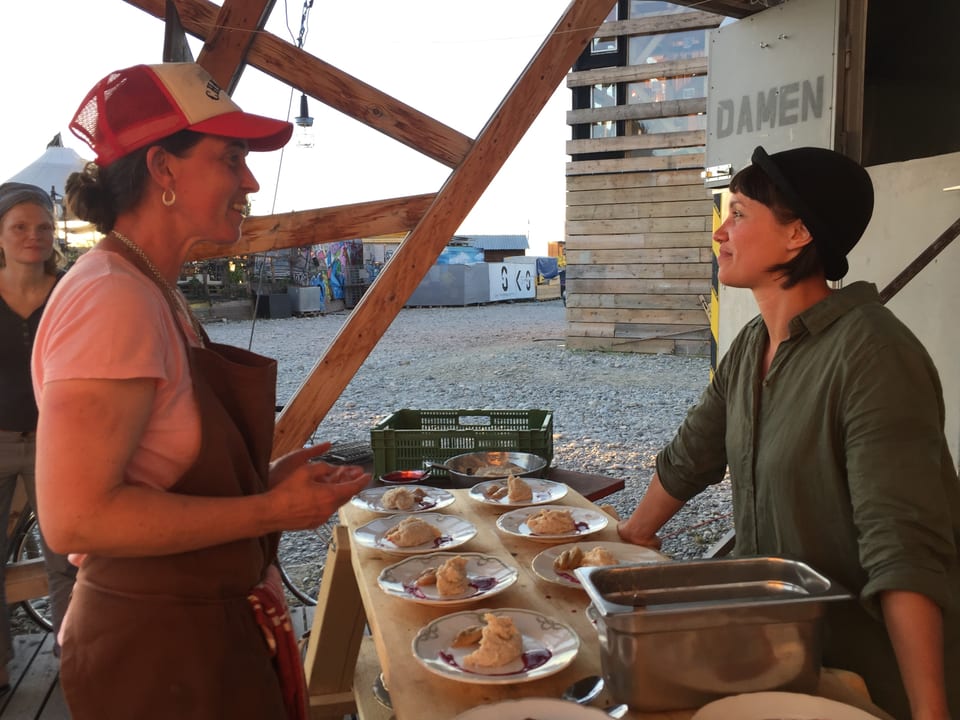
(51, 170)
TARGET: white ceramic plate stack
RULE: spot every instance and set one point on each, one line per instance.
(544, 491)
(623, 552)
(548, 646)
(454, 532)
(587, 523)
(433, 499)
(488, 576)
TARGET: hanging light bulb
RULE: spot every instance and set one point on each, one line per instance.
(304, 124)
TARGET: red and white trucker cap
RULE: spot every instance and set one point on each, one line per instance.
(132, 108)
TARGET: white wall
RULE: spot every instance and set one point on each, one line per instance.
(911, 210)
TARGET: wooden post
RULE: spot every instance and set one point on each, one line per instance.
(334, 643)
(417, 253)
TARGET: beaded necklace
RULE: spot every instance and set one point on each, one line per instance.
(175, 295)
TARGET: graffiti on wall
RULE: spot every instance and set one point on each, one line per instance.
(327, 266)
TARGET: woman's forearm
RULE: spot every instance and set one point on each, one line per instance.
(656, 507)
(87, 433)
(915, 625)
(135, 521)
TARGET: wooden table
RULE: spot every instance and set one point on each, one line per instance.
(417, 693)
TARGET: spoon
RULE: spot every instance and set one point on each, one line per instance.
(584, 690)
(617, 711)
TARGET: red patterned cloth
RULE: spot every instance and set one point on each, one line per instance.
(270, 610)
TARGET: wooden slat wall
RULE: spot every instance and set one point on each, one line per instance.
(638, 226)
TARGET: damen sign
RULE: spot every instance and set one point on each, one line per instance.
(773, 81)
(779, 106)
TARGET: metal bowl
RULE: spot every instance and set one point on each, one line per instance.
(470, 468)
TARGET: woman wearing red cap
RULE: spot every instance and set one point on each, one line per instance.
(29, 269)
(829, 415)
(155, 443)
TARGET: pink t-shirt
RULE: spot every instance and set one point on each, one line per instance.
(107, 320)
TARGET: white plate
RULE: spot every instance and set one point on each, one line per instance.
(789, 706)
(455, 531)
(548, 646)
(588, 522)
(623, 552)
(538, 708)
(488, 576)
(544, 491)
(372, 499)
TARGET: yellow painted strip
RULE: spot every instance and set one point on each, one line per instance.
(718, 198)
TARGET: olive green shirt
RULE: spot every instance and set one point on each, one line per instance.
(837, 458)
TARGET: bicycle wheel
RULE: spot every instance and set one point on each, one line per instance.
(301, 558)
(27, 546)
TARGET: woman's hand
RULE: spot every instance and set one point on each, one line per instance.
(629, 534)
(306, 492)
(655, 508)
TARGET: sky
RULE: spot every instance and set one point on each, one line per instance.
(444, 58)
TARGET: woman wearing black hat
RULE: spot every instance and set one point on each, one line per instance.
(829, 414)
(29, 269)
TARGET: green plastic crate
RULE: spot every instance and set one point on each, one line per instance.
(405, 439)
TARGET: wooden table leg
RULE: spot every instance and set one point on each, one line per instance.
(335, 636)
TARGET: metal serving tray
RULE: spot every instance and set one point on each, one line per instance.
(678, 634)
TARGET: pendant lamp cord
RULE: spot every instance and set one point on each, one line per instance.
(300, 39)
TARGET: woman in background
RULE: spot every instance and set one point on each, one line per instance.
(29, 269)
(156, 443)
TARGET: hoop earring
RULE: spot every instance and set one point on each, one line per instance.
(168, 201)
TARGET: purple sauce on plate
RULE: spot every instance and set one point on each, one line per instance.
(532, 659)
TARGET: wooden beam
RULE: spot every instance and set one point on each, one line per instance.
(227, 43)
(638, 73)
(175, 47)
(651, 141)
(336, 633)
(730, 8)
(311, 227)
(416, 255)
(660, 24)
(331, 86)
(638, 111)
(26, 580)
(685, 161)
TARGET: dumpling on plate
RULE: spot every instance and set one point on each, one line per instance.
(412, 531)
(452, 577)
(500, 643)
(598, 556)
(518, 490)
(551, 522)
(401, 498)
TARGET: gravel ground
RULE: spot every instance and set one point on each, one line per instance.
(612, 411)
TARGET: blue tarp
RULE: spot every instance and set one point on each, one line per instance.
(547, 267)
(460, 256)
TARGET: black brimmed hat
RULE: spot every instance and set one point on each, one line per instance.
(831, 193)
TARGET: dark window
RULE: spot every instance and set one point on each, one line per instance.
(648, 49)
(911, 98)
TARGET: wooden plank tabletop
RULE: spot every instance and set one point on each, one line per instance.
(394, 622)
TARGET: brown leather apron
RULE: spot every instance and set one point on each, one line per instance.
(174, 636)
